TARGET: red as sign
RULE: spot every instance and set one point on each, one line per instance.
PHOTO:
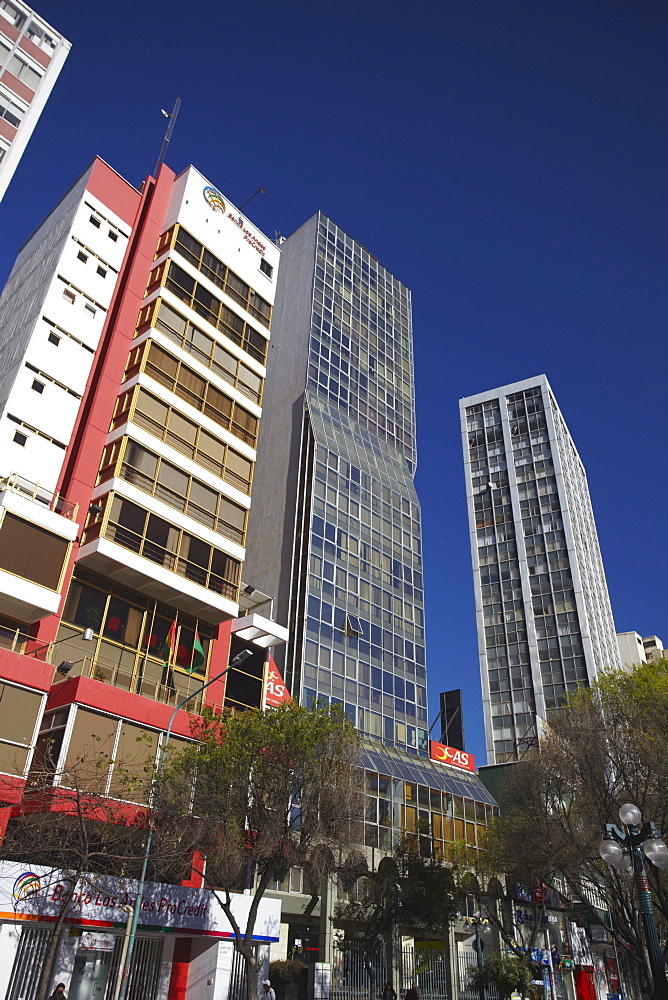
(448, 755)
(276, 693)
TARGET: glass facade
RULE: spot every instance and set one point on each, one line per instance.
(356, 611)
(544, 618)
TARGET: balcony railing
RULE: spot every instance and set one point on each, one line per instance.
(37, 493)
(151, 680)
(13, 639)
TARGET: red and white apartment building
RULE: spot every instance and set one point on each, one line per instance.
(32, 54)
(134, 330)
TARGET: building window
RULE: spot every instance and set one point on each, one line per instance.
(266, 267)
(112, 235)
(53, 339)
(218, 273)
(37, 386)
(11, 112)
(212, 309)
(91, 309)
(11, 13)
(168, 424)
(189, 386)
(31, 552)
(82, 257)
(158, 477)
(207, 350)
(95, 221)
(20, 439)
(22, 71)
(102, 271)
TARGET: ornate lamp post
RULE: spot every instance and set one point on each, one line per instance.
(477, 921)
(620, 849)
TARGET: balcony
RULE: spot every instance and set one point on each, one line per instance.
(138, 548)
(37, 528)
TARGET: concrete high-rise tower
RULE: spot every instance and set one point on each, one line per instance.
(543, 611)
(32, 54)
(335, 481)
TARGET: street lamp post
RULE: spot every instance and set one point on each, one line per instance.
(477, 921)
(125, 972)
(621, 848)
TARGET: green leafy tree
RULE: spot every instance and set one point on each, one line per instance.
(267, 791)
(509, 975)
(605, 747)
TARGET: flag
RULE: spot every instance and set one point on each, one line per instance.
(198, 654)
(169, 647)
(276, 692)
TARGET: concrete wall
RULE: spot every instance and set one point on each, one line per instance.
(272, 517)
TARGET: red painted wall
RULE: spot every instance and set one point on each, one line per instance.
(25, 670)
(180, 963)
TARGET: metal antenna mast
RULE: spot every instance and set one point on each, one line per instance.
(168, 134)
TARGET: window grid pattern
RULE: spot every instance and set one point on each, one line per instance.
(162, 479)
(206, 349)
(361, 350)
(418, 804)
(358, 618)
(504, 540)
(149, 357)
(592, 575)
(168, 424)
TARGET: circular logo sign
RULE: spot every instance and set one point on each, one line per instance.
(26, 885)
(214, 199)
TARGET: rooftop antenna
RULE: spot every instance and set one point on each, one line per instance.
(168, 133)
(260, 190)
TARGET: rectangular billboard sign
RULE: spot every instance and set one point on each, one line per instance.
(448, 755)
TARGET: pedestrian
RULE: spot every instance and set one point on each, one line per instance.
(59, 992)
(412, 993)
(389, 993)
(268, 992)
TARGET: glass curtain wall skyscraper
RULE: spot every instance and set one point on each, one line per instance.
(544, 619)
(335, 480)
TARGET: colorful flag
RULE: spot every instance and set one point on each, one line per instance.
(198, 654)
(169, 647)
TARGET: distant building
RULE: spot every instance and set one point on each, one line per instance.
(544, 618)
(32, 54)
(634, 649)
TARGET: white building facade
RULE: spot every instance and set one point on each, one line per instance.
(32, 54)
(544, 619)
(634, 649)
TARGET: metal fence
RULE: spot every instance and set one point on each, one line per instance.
(360, 971)
(427, 970)
(465, 961)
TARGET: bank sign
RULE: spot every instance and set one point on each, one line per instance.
(448, 755)
(37, 894)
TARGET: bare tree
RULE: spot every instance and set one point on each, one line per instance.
(268, 792)
(86, 820)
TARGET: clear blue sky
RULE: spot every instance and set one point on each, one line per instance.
(505, 158)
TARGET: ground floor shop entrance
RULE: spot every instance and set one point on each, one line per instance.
(94, 963)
